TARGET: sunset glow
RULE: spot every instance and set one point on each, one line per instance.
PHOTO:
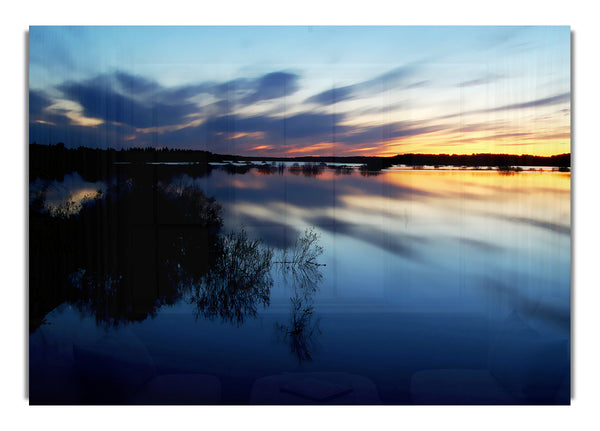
(390, 90)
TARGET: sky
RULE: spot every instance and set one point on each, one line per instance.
(297, 91)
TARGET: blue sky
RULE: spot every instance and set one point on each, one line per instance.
(303, 90)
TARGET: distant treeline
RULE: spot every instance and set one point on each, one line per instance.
(53, 161)
(500, 160)
(494, 160)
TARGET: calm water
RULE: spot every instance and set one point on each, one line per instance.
(420, 270)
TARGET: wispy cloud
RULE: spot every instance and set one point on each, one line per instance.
(553, 100)
(103, 101)
(272, 86)
(140, 102)
(394, 78)
(129, 109)
(123, 109)
(487, 79)
(38, 101)
(546, 101)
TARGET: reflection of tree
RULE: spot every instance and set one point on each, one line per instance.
(240, 281)
(101, 294)
(302, 273)
(237, 283)
(308, 169)
(301, 332)
(142, 244)
(369, 171)
(110, 257)
(509, 170)
(303, 254)
(270, 169)
(237, 169)
(341, 169)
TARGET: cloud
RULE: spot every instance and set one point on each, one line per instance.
(135, 84)
(101, 136)
(392, 79)
(330, 97)
(307, 132)
(137, 111)
(242, 91)
(102, 101)
(185, 92)
(389, 131)
(546, 101)
(497, 36)
(495, 137)
(553, 100)
(142, 103)
(380, 109)
(296, 126)
(418, 84)
(272, 86)
(477, 127)
(38, 101)
(487, 79)
(128, 103)
(309, 126)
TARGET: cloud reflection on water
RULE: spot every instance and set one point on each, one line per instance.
(455, 225)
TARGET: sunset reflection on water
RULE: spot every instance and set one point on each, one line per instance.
(419, 270)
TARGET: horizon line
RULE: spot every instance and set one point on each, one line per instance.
(158, 149)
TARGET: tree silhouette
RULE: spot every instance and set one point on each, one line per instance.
(239, 281)
(301, 272)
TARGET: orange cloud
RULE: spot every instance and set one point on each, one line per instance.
(261, 147)
(360, 150)
(253, 135)
(310, 148)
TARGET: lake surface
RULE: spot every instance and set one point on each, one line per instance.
(412, 272)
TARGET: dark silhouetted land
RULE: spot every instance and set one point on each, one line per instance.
(53, 161)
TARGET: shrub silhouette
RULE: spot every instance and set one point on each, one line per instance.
(112, 257)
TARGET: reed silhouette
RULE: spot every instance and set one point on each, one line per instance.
(301, 273)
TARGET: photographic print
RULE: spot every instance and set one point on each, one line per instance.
(375, 215)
